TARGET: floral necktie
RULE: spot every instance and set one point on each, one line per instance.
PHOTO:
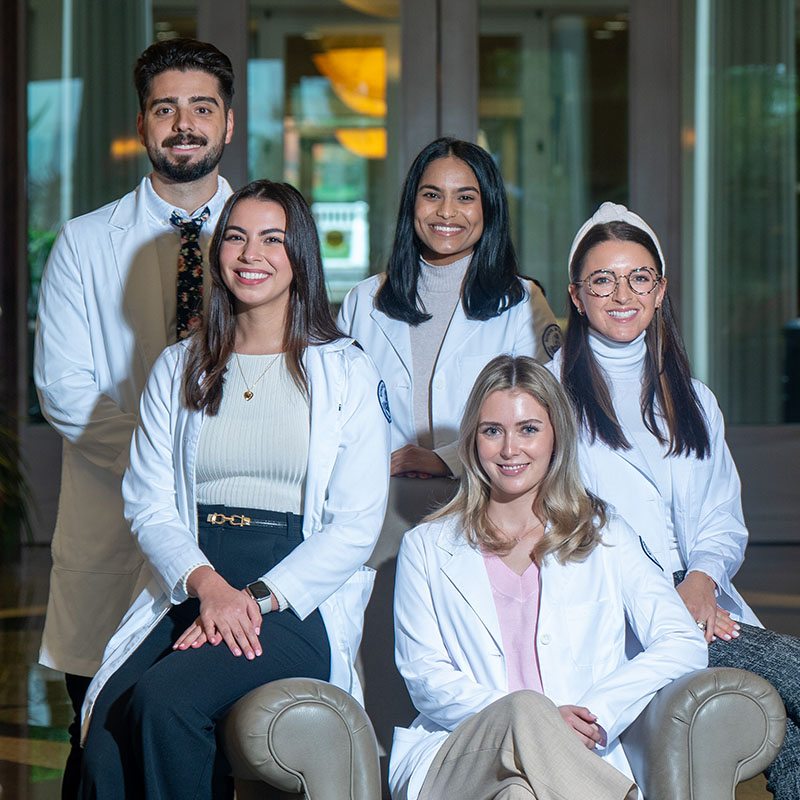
(189, 307)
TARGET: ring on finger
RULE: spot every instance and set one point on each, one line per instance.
(701, 624)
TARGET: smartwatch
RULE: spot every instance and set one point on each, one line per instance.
(261, 593)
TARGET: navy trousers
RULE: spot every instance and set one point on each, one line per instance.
(152, 733)
(76, 689)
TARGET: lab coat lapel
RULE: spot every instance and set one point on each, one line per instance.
(397, 336)
(139, 274)
(458, 334)
(325, 399)
(633, 458)
(467, 573)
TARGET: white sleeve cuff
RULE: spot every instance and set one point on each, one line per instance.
(283, 603)
(181, 593)
(449, 454)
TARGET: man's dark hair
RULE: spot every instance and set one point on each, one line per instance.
(183, 55)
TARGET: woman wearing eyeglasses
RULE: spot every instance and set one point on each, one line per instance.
(653, 445)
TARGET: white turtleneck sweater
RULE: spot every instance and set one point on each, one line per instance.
(623, 364)
(439, 289)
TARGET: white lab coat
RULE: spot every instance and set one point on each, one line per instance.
(100, 329)
(345, 499)
(529, 329)
(706, 498)
(449, 647)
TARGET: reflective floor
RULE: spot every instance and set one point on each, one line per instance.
(34, 710)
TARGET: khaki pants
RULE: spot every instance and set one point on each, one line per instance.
(520, 748)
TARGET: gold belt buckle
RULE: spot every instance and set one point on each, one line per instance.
(237, 520)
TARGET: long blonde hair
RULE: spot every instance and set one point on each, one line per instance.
(575, 516)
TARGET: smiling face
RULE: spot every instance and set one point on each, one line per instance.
(448, 214)
(623, 315)
(515, 443)
(184, 125)
(252, 257)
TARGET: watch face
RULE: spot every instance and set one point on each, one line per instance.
(259, 590)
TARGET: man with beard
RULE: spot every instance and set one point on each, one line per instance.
(122, 283)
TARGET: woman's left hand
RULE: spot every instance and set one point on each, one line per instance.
(224, 623)
(697, 591)
(413, 461)
(226, 615)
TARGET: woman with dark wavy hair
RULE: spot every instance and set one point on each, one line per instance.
(653, 445)
(256, 490)
(451, 299)
(511, 606)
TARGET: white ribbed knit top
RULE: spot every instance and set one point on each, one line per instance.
(254, 454)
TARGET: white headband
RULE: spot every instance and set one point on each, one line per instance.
(614, 212)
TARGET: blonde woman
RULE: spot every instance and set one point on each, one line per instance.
(510, 612)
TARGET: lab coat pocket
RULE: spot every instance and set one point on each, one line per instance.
(591, 632)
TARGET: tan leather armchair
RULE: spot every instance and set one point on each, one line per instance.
(697, 739)
(301, 737)
(704, 733)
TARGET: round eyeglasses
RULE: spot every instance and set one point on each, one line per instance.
(604, 282)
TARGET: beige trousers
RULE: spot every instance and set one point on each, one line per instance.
(520, 748)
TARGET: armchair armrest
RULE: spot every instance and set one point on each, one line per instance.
(704, 733)
(302, 736)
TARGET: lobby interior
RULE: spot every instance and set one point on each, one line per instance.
(685, 111)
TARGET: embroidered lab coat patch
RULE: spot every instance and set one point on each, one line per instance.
(383, 399)
(551, 339)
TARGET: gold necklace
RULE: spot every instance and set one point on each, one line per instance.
(248, 395)
(517, 539)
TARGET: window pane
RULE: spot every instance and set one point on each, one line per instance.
(321, 116)
(554, 114)
(741, 298)
(83, 150)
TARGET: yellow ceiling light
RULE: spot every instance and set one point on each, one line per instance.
(364, 142)
(378, 8)
(358, 77)
(126, 147)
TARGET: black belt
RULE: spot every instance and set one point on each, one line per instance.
(250, 517)
(240, 520)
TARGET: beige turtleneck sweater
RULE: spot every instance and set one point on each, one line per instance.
(440, 291)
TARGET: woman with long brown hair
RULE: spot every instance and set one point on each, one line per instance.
(256, 490)
(653, 445)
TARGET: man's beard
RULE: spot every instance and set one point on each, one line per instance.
(185, 171)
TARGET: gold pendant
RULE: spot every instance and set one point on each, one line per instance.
(248, 395)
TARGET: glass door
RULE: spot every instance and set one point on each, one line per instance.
(322, 115)
(553, 111)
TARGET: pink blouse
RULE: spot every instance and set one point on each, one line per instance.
(516, 598)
